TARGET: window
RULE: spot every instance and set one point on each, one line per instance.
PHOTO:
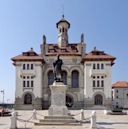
(28, 99)
(75, 79)
(94, 83)
(23, 66)
(102, 83)
(98, 76)
(63, 29)
(127, 95)
(27, 83)
(50, 77)
(94, 66)
(117, 97)
(94, 77)
(98, 66)
(102, 77)
(31, 66)
(98, 83)
(116, 91)
(102, 66)
(31, 83)
(60, 30)
(27, 66)
(24, 84)
(64, 77)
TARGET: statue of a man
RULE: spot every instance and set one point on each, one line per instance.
(57, 69)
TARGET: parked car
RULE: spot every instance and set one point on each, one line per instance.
(4, 112)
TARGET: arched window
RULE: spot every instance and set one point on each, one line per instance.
(98, 66)
(23, 66)
(50, 77)
(75, 79)
(28, 99)
(102, 66)
(63, 29)
(64, 77)
(94, 66)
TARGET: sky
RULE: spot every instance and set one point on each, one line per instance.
(23, 22)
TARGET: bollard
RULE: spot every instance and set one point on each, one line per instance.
(82, 114)
(13, 121)
(105, 112)
(93, 120)
(34, 115)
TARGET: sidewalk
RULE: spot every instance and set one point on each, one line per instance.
(103, 121)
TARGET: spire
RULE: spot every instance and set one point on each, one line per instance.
(82, 38)
(44, 39)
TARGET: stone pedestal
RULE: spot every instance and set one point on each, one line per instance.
(58, 113)
(58, 96)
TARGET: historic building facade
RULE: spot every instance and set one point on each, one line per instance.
(120, 94)
(87, 75)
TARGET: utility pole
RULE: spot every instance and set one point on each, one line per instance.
(2, 91)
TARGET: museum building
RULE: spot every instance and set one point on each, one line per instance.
(87, 75)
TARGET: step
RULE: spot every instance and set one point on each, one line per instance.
(57, 123)
(57, 120)
(58, 117)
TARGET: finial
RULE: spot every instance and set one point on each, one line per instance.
(63, 16)
(82, 38)
(44, 39)
(63, 11)
(94, 48)
(31, 48)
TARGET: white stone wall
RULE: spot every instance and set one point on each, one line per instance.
(36, 72)
(120, 97)
(19, 87)
(89, 72)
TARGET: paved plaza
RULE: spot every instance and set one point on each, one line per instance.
(103, 121)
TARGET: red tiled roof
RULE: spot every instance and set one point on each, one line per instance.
(28, 56)
(120, 84)
(97, 55)
(70, 49)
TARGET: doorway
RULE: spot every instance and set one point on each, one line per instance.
(98, 99)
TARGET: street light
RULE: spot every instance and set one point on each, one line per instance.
(2, 91)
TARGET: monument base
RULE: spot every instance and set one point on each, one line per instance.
(55, 111)
(58, 113)
(58, 96)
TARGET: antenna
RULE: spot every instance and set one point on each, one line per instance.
(63, 10)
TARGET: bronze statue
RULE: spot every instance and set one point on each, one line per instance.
(57, 69)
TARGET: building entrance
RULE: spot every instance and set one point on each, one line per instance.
(98, 99)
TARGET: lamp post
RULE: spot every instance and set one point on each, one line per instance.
(2, 91)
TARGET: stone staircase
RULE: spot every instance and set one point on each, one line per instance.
(58, 120)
